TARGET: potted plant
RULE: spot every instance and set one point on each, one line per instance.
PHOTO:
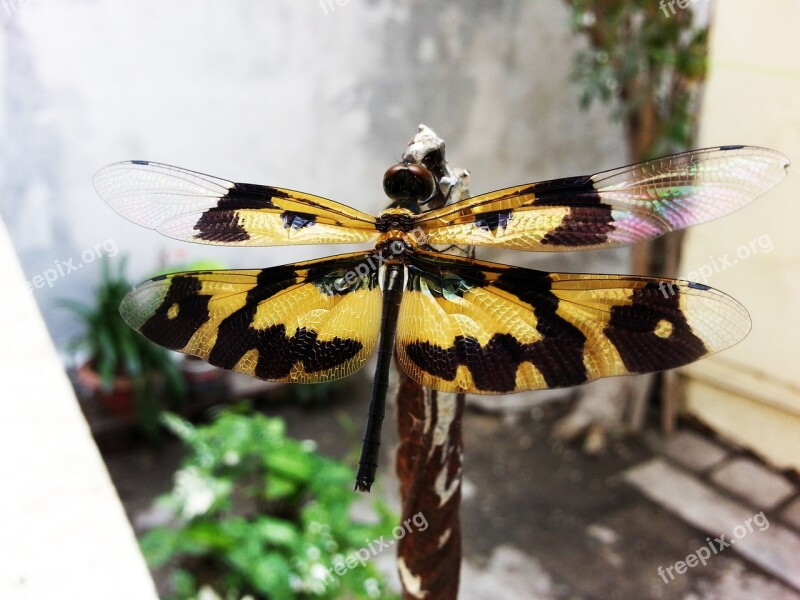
(124, 371)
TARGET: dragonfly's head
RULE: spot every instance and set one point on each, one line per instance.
(409, 186)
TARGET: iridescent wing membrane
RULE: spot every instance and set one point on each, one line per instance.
(463, 325)
(611, 208)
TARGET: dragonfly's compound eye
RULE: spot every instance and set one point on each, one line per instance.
(409, 183)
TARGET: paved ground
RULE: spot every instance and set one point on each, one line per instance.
(543, 521)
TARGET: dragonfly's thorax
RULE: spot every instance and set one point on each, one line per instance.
(397, 229)
(395, 219)
(394, 244)
(398, 241)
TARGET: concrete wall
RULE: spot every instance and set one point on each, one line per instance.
(63, 531)
(288, 92)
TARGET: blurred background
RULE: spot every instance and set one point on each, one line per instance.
(583, 493)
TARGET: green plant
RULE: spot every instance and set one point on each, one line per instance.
(115, 350)
(649, 59)
(261, 514)
(313, 395)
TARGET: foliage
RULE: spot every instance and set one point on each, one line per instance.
(649, 58)
(261, 514)
(114, 349)
(313, 395)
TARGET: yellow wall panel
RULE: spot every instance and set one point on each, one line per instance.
(753, 97)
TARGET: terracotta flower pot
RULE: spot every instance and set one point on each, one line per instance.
(204, 380)
(119, 400)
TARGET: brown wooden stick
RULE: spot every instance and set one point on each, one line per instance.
(429, 466)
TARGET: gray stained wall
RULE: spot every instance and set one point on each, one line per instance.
(302, 94)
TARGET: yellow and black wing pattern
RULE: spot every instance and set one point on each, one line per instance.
(484, 328)
(191, 206)
(305, 322)
(611, 208)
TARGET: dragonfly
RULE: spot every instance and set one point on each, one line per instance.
(454, 324)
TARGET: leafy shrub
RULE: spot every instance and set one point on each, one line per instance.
(262, 514)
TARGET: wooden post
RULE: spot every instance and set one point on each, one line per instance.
(430, 454)
(429, 466)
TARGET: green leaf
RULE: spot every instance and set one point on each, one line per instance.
(106, 369)
(274, 429)
(184, 583)
(278, 486)
(270, 575)
(202, 536)
(276, 531)
(159, 545)
(129, 352)
(289, 460)
(108, 349)
(179, 427)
